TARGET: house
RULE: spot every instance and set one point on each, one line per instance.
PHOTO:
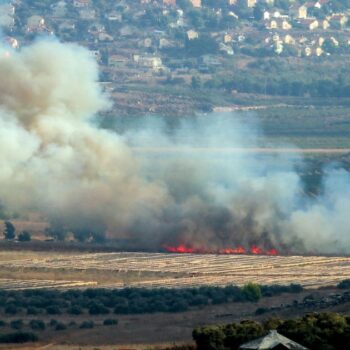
(117, 60)
(196, 3)
(7, 11)
(318, 51)
(87, 14)
(232, 2)
(164, 43)
(320, 3)
(105, 37)
(66, 26)
(297, 11)
(81, 3)
(324, 24)
(192, 34)
(266, 15)
(251, 3)
(169, 2)
(307, 51)
(308, 23)
(127, 30)
(59, 9)
(227, 38)
(273, 340)
(12, 42)
(226, 48)
(114, 16)
(153, 62)
(35, 23)
(338, 20)
(278, 23)
(95, 54)
(288, 39)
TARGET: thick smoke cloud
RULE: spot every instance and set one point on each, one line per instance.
(54, 161)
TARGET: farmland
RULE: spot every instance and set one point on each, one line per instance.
(27, 269)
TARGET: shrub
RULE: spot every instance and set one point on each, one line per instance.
(11, 310)
(87, 324)
(60, 326)
(16, 324)
(24, 236)
(53, 323)
(37, 325)
(110, 322)
(75, 310)
(345, 284)
(98, 309)
(252, 292)
(32, 310)
(18, 337)
(53, 310)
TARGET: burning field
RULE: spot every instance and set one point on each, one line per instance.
(96, 185)
(152, 270)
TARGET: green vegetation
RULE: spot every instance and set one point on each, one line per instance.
(323, 331)
(18, 337)
(131, 300)
(9, 231)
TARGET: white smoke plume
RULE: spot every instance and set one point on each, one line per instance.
(54, 161)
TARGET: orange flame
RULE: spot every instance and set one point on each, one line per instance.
(183, 249)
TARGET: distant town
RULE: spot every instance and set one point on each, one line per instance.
(159, 56)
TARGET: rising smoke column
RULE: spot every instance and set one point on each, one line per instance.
(54, 161)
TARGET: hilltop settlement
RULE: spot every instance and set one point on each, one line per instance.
(178, 56)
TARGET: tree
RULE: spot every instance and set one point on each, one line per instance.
(24, 236)
(10, 231)
(195, 82)
(252, 292)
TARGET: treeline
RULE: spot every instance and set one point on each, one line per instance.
(131, 300)
(270, 85)
(20, 335)
(323, 331)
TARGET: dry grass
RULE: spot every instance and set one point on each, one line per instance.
(116, 270)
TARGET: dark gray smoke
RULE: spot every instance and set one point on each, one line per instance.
(194, 185)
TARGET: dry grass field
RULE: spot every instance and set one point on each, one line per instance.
(27, 269)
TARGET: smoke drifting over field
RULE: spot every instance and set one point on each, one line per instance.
(55, 161)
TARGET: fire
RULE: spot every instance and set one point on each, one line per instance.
(189, 249)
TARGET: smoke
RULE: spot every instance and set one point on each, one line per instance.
(187, 184)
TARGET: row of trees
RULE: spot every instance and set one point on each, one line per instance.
(321, 331)
(9, 233)
(246, 83)
(131, 300)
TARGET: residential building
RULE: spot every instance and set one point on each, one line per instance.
(273, 340)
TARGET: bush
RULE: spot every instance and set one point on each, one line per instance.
(32, 311)
(252, 292)
(37, 325)
(24, 236)
(18, 337)
(87, 324)
(53, 310)
(11, 310)
(261, 310)
(75, 310)
(16, 324)
(53, 323)
(110, 322)
(345, 284)
(60, 326)
(98, 309)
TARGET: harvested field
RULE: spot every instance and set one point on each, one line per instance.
(152, 270)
